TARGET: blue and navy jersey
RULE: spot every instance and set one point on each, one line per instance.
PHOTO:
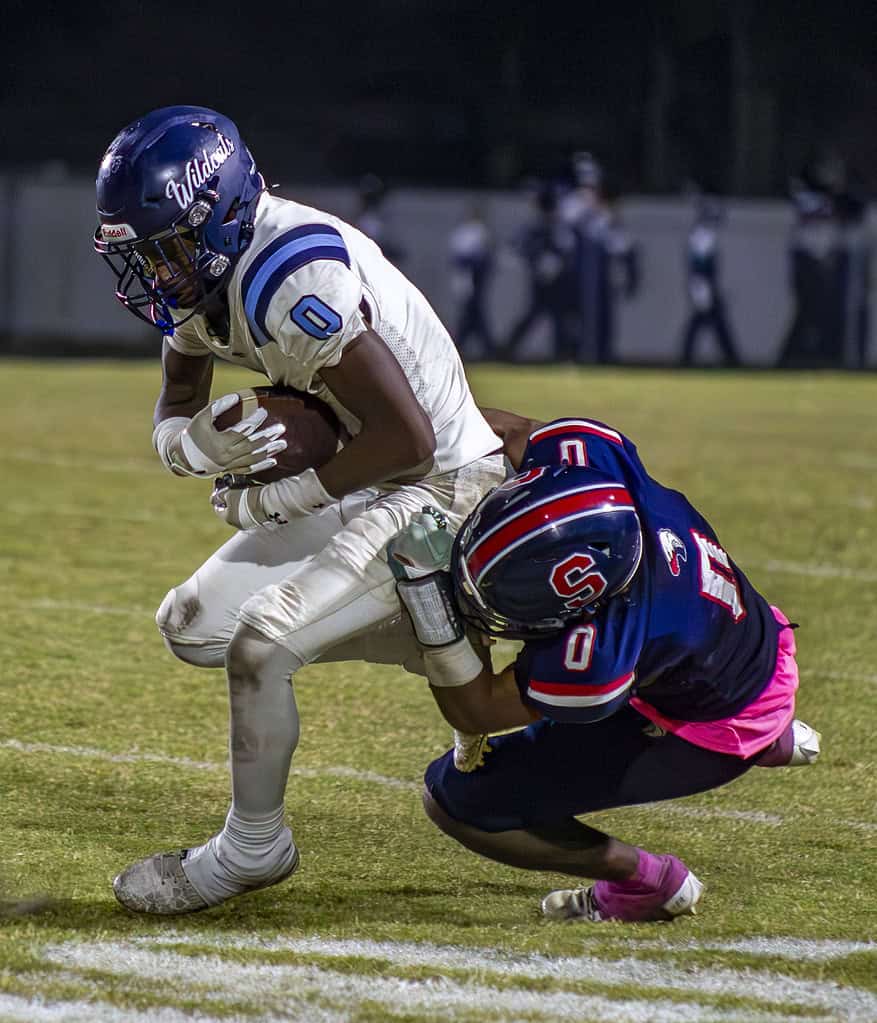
(691, 636)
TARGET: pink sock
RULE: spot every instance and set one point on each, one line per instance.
(648, 870)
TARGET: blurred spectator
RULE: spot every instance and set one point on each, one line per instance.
(705, 299)
(471, 250)
(371, 217)
(608, 259)
(856, 256)
(830, 260)
(548, 246)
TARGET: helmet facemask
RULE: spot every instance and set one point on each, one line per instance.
(172, 271)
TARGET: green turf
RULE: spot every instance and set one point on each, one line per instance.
(94, 533)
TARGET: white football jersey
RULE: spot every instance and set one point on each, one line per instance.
(309, 284)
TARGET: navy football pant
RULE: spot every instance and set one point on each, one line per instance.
(551, 771)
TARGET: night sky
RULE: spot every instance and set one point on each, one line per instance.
(733, 96)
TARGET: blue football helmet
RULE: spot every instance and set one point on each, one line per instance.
(550, 545)
(176, 197)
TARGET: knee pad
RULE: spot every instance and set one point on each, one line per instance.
(175, 617)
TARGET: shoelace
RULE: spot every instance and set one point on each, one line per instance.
(585, 904)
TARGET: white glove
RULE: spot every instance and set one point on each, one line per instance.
(246, 507)
(195, 447)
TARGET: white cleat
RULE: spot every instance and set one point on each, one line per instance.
(807, 744)
(158, 885)
(571, 904)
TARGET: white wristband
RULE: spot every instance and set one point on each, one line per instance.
(294, 496)
(450, 666)
(166, 441)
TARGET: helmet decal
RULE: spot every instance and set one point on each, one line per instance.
(199, 172)
(574, 580)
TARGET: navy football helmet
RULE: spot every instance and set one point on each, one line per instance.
(176, 197)
(550, 545)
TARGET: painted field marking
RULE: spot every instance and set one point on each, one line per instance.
(56, 461)
(47, 604)
(801, 949)
(153, 958)
(285, 987)
(373, 778)
(857, 460)
(820, 571)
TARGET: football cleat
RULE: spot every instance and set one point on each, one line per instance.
(807, 744)
(158, 885)
(676, 895)
(798, 746)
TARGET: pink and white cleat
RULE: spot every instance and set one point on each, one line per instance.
(676, 894)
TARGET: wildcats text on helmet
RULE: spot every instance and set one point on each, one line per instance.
(198, 172)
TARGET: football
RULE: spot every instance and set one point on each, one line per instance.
(313, 431)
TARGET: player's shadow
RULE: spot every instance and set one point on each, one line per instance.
(281, 907)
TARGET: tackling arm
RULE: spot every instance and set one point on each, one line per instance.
(489, 703)
(514, 430)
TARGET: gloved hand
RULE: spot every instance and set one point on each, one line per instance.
(423, 547)
(246, 507)
(419, 558)
(195, 447)
(469, 751)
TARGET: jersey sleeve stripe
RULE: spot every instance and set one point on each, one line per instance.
(293, 250)
(565, 426)
(558, 694)
(564, 508)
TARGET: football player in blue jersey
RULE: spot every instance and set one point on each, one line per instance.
(224, 269)
(651, 668)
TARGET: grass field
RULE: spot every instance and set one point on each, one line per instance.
(110, 749)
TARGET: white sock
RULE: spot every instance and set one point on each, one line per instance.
(248, 853)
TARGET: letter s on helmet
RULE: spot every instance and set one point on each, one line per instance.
(550, 545)
(177, 192)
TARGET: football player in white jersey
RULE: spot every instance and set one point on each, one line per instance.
(222, 268)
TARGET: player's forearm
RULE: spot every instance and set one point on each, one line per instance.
(397, 437)
(185, 385)
(380, 452)
(489, 703)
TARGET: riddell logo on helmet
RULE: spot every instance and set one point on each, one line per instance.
(198, 172)
(117, 232)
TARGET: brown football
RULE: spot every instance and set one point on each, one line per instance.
(312, 428)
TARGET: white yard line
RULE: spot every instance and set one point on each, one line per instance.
(801, 949)
(78, 464)
(18, 1009)
(373, 778)
(819, 571)
(47, 604)
(285, 987)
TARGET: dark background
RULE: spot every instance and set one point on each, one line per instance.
(736, 97)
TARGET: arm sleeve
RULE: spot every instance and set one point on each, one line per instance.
(186, 342)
